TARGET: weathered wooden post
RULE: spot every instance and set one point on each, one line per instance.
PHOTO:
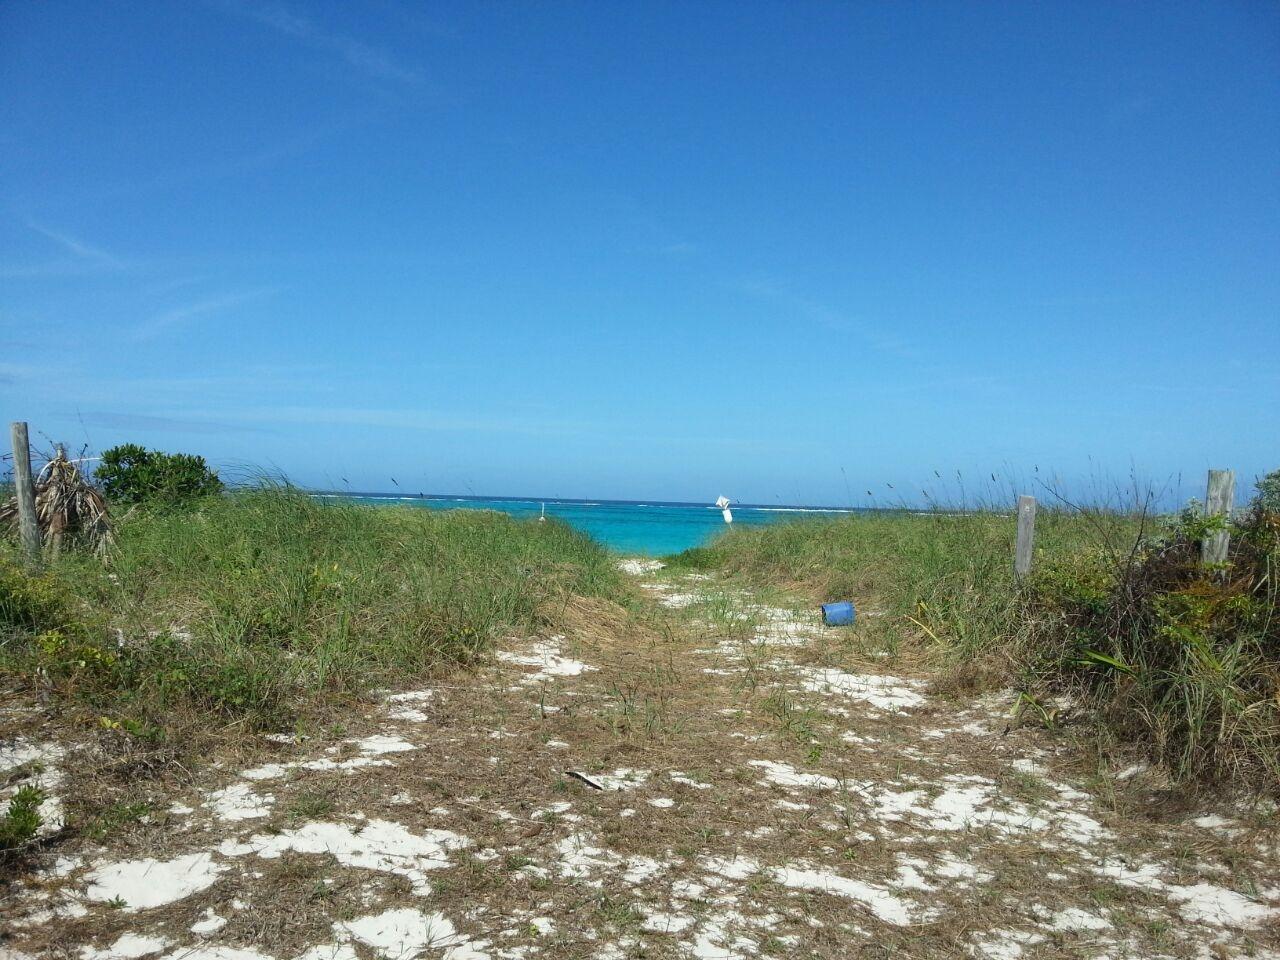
(1218, 502)
(1026, 535)
(28, 526)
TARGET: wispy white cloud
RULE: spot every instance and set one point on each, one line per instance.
(79, 258)
(657, 236)
(51, 382)
(447, 421)
(214, 167)
(162, 287)
(117, 420)
(247, 379)
(815, 311)
(679, 249)
(13, 373)
(180, 316)
(400, 419)
(370, 60)
(79, 248)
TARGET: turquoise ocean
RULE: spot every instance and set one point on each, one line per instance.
(653, 528)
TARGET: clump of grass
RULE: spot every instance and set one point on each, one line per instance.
(1182, 656)
(114, 818)
(21, 821)
(251, 607)
(42, 620)
(1118, 613)
(944, 576)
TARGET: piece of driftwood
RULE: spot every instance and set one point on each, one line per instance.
(68, 508)
(583, 778)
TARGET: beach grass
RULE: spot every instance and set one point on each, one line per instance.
(1118, 617)
(947, 574)
(254, 607)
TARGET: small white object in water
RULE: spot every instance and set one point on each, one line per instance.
(722, 502)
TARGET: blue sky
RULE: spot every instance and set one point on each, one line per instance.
(782, 251)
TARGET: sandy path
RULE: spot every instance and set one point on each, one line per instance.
(722, 785)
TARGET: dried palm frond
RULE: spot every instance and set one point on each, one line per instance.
(67, 508)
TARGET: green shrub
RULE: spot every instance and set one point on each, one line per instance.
(131, 474)
(32, 602)
(1083, 581)
(42, 629)
(1268, 497)
(1171, 652)
(21, 821)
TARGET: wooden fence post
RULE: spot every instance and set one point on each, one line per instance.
(1218, 502)
(28, 526)
(1026, 535)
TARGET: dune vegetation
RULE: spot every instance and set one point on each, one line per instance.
(1119, 618)
(264, 607)
(258, 607)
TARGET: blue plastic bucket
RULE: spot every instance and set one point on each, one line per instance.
(839, 614)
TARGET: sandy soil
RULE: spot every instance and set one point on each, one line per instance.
(734, 782)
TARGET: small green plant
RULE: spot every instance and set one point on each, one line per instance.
(64, 653)
(311, 805)
(32, 602)
(132, 474)
(1101, 661)
(41, 613)
(1268, 497)
(796, 721)
(21, 821)
(115, 817)
(1046, 713)
(133, 727)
